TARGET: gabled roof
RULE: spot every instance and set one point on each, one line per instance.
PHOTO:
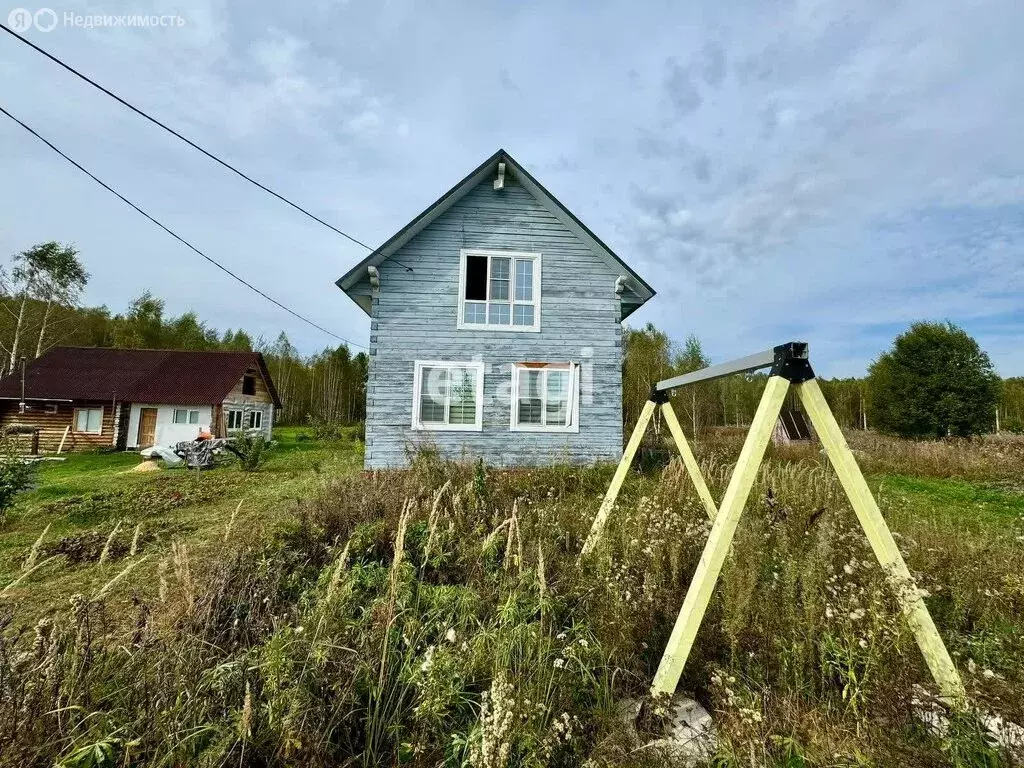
(158, 376)
(636, 291)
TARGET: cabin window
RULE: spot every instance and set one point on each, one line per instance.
(50, 408)
(448, 396)
(185, 416)
(89, 420)
(545, 397)
(248, 385)
(234, 419)
(499, 290)
(256, 420)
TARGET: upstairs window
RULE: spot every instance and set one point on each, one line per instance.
(499, 290)
(545, 397)
(248, 385)
(448, 396)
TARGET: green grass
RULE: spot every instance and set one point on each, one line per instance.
(950, 504)
(87, 495)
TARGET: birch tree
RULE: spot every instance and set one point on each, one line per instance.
(51, 274)
(698, 401)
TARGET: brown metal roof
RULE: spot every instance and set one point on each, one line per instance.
(180, 377)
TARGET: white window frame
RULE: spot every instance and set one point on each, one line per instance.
(188, 416)
(255, 416)
(476, 365)
(240, 421)
(535, 303)
(74, 421)
(572, 404)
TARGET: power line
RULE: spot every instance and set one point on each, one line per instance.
(189, 141)
(174, 234)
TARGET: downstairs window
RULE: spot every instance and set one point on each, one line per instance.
(448, 396)
(185, 416)
(89, 420)
(545, 397)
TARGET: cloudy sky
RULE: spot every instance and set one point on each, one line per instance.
(818, 170)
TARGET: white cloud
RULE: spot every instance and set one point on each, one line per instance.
(812, 166)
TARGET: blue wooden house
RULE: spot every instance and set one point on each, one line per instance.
(495, 329)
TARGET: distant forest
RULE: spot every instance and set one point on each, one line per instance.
(40, 290)
(650, 355)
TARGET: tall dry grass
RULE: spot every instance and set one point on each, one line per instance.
(441, 616)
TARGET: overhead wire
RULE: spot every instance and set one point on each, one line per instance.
(174, 234)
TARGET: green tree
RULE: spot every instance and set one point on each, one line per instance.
(697, 402)
(934, 381)
(646, 360)
(238, 341)
(1011, 405)
(143, 326)
(187, 331)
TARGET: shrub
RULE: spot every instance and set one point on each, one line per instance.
(325, 430)
(16, 475)
(253, 450)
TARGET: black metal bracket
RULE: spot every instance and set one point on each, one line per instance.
(659, 397)
(791, 362)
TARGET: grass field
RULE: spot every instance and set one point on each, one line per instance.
(82, 500)
(441, 616)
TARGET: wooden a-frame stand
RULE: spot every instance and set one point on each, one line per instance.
(789, 367)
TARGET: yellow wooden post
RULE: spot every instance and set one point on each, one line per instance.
(711, 560)
(689, 460)
(882, 542)
(620, 475)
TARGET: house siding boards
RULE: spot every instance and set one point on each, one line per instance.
(262, 400)
(52, 425)
(414, 317)
(122, 381)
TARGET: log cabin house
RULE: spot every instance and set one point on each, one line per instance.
(96, 397)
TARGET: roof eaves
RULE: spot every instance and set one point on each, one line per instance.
(424, 218)
(642, 289)
(265, 371)
(585, 230)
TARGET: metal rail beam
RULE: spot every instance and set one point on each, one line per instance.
(794, 350)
